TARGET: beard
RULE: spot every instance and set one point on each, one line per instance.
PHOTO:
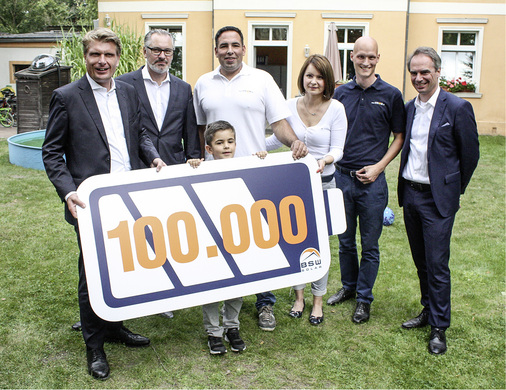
(158, 69)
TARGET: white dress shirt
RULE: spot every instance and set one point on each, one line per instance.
(158, 95)
(417, 168)
(110, 114)
(107, 102)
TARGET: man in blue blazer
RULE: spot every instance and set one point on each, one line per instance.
(439, 156)
(166, 102)
(94, 128)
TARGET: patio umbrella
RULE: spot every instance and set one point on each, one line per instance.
(332, 52)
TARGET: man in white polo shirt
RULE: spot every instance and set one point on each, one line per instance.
(247, 98)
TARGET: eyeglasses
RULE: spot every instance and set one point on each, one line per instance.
(157, 51)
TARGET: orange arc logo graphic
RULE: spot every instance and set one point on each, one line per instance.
(310, 252)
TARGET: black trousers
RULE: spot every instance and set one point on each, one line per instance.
(429, 236)
(94, 328)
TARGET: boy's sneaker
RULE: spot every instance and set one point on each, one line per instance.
(216, 346)
(266, 320)
(233, 337)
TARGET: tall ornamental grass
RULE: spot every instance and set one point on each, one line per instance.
(71, 49)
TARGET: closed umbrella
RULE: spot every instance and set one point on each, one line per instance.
(332, 52)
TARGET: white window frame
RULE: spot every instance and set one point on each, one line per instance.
(478, 46)
(149, 26)
(288, 43)
(347, 46)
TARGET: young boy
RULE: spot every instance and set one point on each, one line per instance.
(220, 143)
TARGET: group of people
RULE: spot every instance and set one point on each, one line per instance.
(149, 118)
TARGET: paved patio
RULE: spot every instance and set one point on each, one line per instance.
(6, 132)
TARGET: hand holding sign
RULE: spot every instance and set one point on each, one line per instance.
(183, 237)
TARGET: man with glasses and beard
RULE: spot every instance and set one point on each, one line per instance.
(167, 111)
(166, 101)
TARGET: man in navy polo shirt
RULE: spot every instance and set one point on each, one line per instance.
(374, 110)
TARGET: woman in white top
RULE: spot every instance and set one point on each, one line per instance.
(321, 123)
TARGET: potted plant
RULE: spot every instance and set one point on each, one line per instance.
(457, 85)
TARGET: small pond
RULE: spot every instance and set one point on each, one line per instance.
(25, 149)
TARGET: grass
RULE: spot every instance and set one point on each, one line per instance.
(38, 304)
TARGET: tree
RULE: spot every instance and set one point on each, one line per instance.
(82, 12)
(22, 16)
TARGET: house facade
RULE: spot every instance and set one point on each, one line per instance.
(469, 35)
(279, 34)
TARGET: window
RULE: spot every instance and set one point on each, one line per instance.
(460, 54)
(347, 34)
(346, 37)
(271, 51)
(271, 34)
(177, 66)
(16, 66)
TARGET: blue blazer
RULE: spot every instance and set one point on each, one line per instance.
(76, 147)
(178, 139)
(453, 150)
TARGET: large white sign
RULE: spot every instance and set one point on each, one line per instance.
(159, 241)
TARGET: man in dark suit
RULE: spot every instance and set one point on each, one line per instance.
(167, 103)
(167, 111)
(439, 156)
(94, 128)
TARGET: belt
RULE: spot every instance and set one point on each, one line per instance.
(327, 179)
(418, 186)
(346, 171)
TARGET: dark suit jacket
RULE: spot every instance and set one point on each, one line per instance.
(453, 150)
(75, 129)
(178, 139)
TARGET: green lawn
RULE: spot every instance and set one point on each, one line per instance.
(38, 304)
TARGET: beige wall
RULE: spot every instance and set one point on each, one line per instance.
(391, 42)
(199, 49)
(308, 28)
(490, 106)
(461, 1)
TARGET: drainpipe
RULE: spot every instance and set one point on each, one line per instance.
(405, 52)
(212, 35)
